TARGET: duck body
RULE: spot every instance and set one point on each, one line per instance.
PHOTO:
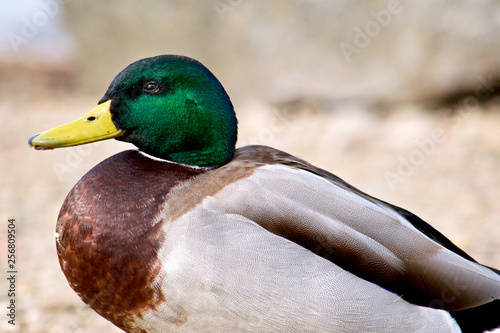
(213, 261)
(194, 236)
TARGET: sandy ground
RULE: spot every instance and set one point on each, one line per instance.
(441, 166)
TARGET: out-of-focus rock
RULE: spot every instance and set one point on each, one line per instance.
(377, 50)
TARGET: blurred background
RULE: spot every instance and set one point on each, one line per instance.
(399, 98)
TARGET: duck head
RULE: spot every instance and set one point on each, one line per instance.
(171, 107)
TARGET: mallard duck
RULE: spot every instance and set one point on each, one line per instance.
(189, 234)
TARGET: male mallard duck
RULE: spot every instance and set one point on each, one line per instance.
(188, 234)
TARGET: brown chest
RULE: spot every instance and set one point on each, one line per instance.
(110, 232)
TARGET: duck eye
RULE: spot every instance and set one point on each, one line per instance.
(151, 87)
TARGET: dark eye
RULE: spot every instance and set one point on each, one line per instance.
(151, 87)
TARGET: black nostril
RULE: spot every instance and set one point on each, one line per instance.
(91, 118)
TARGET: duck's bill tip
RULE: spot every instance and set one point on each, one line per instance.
(30, 141)
(36, 146)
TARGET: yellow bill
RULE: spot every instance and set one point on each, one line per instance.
(94, 126)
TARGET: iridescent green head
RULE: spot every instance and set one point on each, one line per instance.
(171, 107)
